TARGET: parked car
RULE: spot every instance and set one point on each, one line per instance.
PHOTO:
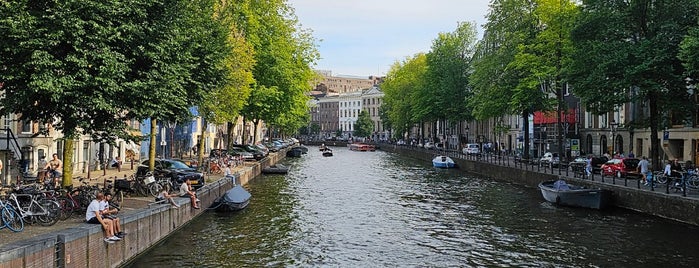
(581, 161)
(273, 147)
(577, 166)
(257, 153)
(247, 156)
(177, 171)
(263, 148)
(471, 149)
(620, 167)
(550, 159)
(429, 145)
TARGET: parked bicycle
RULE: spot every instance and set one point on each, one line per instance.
(35, 210)
(9, 218)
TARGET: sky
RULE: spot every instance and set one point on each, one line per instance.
(363, 37)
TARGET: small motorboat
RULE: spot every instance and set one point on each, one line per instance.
(561, 193)
(327, 152)
(276, 169)
(234, 199)
(294, 152)
(442, 161)
(303, 149)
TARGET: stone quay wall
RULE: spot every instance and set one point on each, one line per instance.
(83, 245)
(656, 203)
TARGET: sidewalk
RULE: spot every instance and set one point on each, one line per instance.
(96, 177)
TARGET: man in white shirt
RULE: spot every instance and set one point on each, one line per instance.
(93, 216)
(186, 192)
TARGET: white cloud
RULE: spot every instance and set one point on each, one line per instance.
(362, 37)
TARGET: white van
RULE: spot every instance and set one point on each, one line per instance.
(471, 149)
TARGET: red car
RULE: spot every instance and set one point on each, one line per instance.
(620, 167)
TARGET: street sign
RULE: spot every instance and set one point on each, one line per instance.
(163, 143)
(666, 135)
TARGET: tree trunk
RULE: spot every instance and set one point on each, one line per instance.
(254, 136)
(68, 162)
(200, 150)
(151, 150)
(654, 143)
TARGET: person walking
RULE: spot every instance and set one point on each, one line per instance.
(588, 166)
(643, 169)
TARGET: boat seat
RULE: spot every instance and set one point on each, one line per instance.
(561, 185)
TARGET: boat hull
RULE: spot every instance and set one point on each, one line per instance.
(275, 169)
(234, 199)
(443, 162)
(574, 196)
(294, 153)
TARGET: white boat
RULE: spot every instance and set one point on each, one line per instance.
(442, 161)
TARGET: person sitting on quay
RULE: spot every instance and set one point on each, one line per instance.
(165, 195)
(109, 212)
(185, 191)
(93, 216)
(116, 163)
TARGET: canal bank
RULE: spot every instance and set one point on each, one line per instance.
(658, 203)
(83, 245)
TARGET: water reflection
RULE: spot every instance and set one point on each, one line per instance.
(374, 209)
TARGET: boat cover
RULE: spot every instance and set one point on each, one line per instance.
(237, 194)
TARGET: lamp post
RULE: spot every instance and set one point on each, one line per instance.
(467, 141)
(614, 125)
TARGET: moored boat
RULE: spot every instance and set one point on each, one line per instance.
(328, 152)
(442, 161)
(294, 152)
(361, 147)
(234, 199)
(561, 193)
(276, 169)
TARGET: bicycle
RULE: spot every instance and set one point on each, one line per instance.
(9, 218)
(45, 212)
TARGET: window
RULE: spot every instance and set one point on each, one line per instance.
(26, 126)
(86, 151)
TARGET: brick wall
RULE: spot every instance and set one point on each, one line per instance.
(83, 246)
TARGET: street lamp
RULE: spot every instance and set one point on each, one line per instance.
(467, 141)
(614, 125)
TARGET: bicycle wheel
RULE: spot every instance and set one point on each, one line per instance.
(49, 212)
(660, 178)
(11, 219)
(693, 182)
(67, 207)
(141, 190)
(154, 189)
(118, 198)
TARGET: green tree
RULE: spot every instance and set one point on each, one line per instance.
(498, 86)
(283, 56)
(449, 64)
(400, 89)
(543, 60)
(364, 126)
(634, 48)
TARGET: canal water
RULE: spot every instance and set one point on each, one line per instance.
(376, 209)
